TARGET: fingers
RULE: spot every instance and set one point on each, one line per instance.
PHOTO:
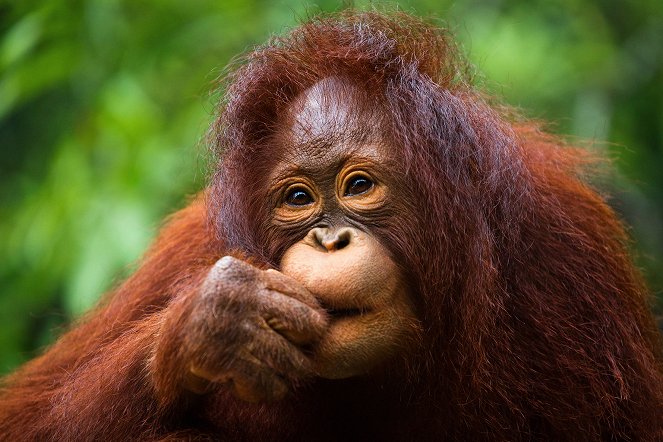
(293, 319)
(285, 305)
(275, 280)
(250, 331)
(265, 372)
(253, 382)
(227, 271)
(260, 371)
(230, 269)
(268, 388)
(273, 351)
(249, 380)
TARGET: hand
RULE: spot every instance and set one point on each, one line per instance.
(251, 329)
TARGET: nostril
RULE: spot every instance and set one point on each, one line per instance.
(342, 239)
(337, 240)
(331, 240)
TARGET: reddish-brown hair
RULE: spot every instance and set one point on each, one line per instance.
(535, 322)
(535, 319)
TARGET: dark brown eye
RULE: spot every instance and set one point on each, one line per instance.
(358, 185)
(298, 197)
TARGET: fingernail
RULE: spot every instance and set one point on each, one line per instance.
(224, 262)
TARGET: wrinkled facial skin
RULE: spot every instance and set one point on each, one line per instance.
(334, 184)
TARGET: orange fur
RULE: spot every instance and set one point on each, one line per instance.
(536, 323)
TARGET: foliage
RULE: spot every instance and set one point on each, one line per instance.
(104, 105)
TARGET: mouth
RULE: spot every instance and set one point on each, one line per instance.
(340, 313)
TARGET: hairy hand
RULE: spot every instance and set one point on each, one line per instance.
(251, 329)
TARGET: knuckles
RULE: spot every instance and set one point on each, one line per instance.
(250, 329)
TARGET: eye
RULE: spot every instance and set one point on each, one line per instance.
(358, 185)
(298, 197)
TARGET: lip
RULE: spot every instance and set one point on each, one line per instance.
(342, 313)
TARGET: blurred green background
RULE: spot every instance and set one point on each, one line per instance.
(104, 105)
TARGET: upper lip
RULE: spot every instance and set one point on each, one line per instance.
(344, 312)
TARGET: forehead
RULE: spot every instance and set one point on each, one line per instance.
(331, 120)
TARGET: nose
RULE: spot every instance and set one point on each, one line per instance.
(331, 239)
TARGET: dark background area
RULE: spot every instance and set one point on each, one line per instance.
(104, 107)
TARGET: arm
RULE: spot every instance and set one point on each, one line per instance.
(124, 370)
